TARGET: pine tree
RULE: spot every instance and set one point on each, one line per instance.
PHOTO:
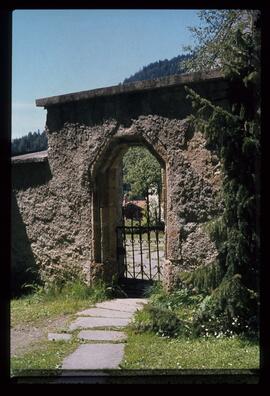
(231, 40)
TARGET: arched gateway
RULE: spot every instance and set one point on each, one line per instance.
(67, 202)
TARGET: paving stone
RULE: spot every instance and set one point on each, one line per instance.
(105, 313)
(121, 305)
(95, 356)
(102, 335)
(91, 322)
(59, 337)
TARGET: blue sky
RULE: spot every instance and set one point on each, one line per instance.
(61, 51)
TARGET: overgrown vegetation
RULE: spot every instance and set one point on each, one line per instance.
(231, 40)
(188, 311)
(163, 336)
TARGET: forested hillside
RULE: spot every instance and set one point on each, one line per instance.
(159, 69)
(33, 141)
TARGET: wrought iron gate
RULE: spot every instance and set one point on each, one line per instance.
(140, 244)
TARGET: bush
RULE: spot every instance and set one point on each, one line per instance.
(160, 321)
(224, 312)
(178, 298)
(204, 279)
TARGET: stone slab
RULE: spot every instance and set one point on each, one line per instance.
(95, 356)
(105, 313)
(91, 323)
(122, 305)
(102, 335)
(59, 337)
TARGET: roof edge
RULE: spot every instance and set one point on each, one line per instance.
(173, 80)
(39, 156)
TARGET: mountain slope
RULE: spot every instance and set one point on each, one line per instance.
(159, 69)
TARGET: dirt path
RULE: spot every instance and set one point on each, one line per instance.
(22, 337)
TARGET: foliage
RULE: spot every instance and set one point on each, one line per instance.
(159, 69)
(176, 299)
(141, 171)
(161, 321)
(227, 311)
(214, 37)
(32, 142)
(204, 279)
(168, 314)
(231, 39)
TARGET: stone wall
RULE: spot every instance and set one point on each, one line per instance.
(59, 199)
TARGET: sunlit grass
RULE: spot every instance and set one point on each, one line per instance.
(149, 351)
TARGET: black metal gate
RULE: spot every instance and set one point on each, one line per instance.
(140, 243)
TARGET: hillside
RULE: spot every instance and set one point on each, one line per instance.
(159, 69)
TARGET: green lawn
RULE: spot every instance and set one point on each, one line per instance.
(44, 355)
(149, 351)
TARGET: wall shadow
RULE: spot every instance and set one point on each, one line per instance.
(30, 174)
(23, 265)
(169, 102)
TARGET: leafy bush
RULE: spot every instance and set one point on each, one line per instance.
(178, 298)
(161, 321)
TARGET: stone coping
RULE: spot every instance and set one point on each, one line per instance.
(169, 81)
(40, 156)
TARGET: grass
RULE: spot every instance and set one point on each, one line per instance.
(146, 350)
(149, 351)
(45, 355)
(39, 310)
(36, 308)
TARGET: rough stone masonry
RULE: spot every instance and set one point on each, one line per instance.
(66, 202)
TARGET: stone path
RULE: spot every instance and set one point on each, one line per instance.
(100, 327)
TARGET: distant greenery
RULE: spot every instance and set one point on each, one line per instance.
(141, 172)
(30, 143)
(160, 69)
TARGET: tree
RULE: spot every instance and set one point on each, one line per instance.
(230, 39)
(160, 69)
(30, 143)
(141, 172)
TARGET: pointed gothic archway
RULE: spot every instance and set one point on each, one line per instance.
(108, 244)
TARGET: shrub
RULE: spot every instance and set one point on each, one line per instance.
(183, 296)
(225, 310)
(161, 321)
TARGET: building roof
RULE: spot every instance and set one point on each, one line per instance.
(169, 81)
(40, 156)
